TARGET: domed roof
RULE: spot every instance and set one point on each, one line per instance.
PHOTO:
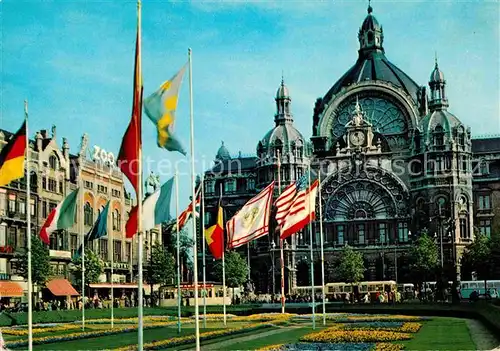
(222, 153)
(286, 134)
(437, 75)
(374, 67)
(439, 117)
(370, 22)
(282, 91)
(372, 64)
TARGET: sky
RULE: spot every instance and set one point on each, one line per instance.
(73, 61)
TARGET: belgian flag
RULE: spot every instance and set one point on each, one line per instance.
(12, 157)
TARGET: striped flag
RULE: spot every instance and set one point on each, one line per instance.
(284, 202)
(301, 209)
(12, 157)
(184, 216)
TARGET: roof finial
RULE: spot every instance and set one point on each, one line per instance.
(357, 108)
(282, 78)
(370, 9)
(436, 58)
(222, 142)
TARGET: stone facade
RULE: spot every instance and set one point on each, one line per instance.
(394, 163)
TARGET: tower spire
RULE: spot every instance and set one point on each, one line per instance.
(370, 9)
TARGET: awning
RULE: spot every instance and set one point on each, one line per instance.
(61, 287)
(10, 289)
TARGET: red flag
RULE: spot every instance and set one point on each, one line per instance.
(131, 226)
(129, 156)
(301, 211)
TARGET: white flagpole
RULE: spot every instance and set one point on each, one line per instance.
(179, 298)
(282, 254)
(322, 250)
(28, 231)
(202, 225)
(193, 201)
(140, 250)
(111, 238)
(223, 267)
(312, 255)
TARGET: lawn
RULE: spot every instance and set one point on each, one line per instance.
(442, 334)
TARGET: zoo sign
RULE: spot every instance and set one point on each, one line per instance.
(103, 156)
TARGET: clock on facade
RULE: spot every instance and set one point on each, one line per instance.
(357, 138)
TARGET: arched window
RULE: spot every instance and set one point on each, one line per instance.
(88, 214)
(116, 220)
(438, 135)
(53, 162)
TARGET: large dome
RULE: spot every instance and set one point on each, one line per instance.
(285, 135)
(372, 64)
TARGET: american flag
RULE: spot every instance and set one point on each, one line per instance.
(296, 206)
(287, 198)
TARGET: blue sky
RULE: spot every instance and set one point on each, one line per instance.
(73, 61)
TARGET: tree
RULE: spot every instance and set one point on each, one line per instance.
(40, 262)
(478, 257)
(161, 268)
(94, 267)
(236, 270)
(351, 266)
(423, 257)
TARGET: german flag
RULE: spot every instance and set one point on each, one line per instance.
(12, 157)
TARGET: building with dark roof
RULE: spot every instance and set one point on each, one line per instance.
(394, 163)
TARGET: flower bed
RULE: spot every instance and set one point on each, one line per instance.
(382, 346)
(24, 331)
(334, 335)
(85, 335)
(188, 339)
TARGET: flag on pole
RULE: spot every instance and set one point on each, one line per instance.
(252, 221)
(284, 202)
(160, 108)
(186, 214)
(99, 230)
(155, 210)
(12, 157)
(61, 217)
(128, 157)
(301, 211)
(215, 235)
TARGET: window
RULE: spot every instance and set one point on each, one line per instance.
(52, 205)
(44, 183)
(361, 233)
(12, 203)
(439, 163)
(52, 185)
(22, 206)
(3, 203)
(73, 244)
(483, 167)
(484, 202)
(102, 189)
(3, 235)
(45, 211)
(128, 252)
(88, 215)
(340, 234)
(103, 249)
(403, 232)
(300, 172)
(210, 186)
(88, 185)
(485, 227)
(118, 251)
(11, 237)
(116, 220)
(382, 232)
(438, 136)
(464, 233)
(229, 186)
(53, 162)
(33, 208)
(116, 193)
(251, 184)
(61, 187)
(22, 239)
